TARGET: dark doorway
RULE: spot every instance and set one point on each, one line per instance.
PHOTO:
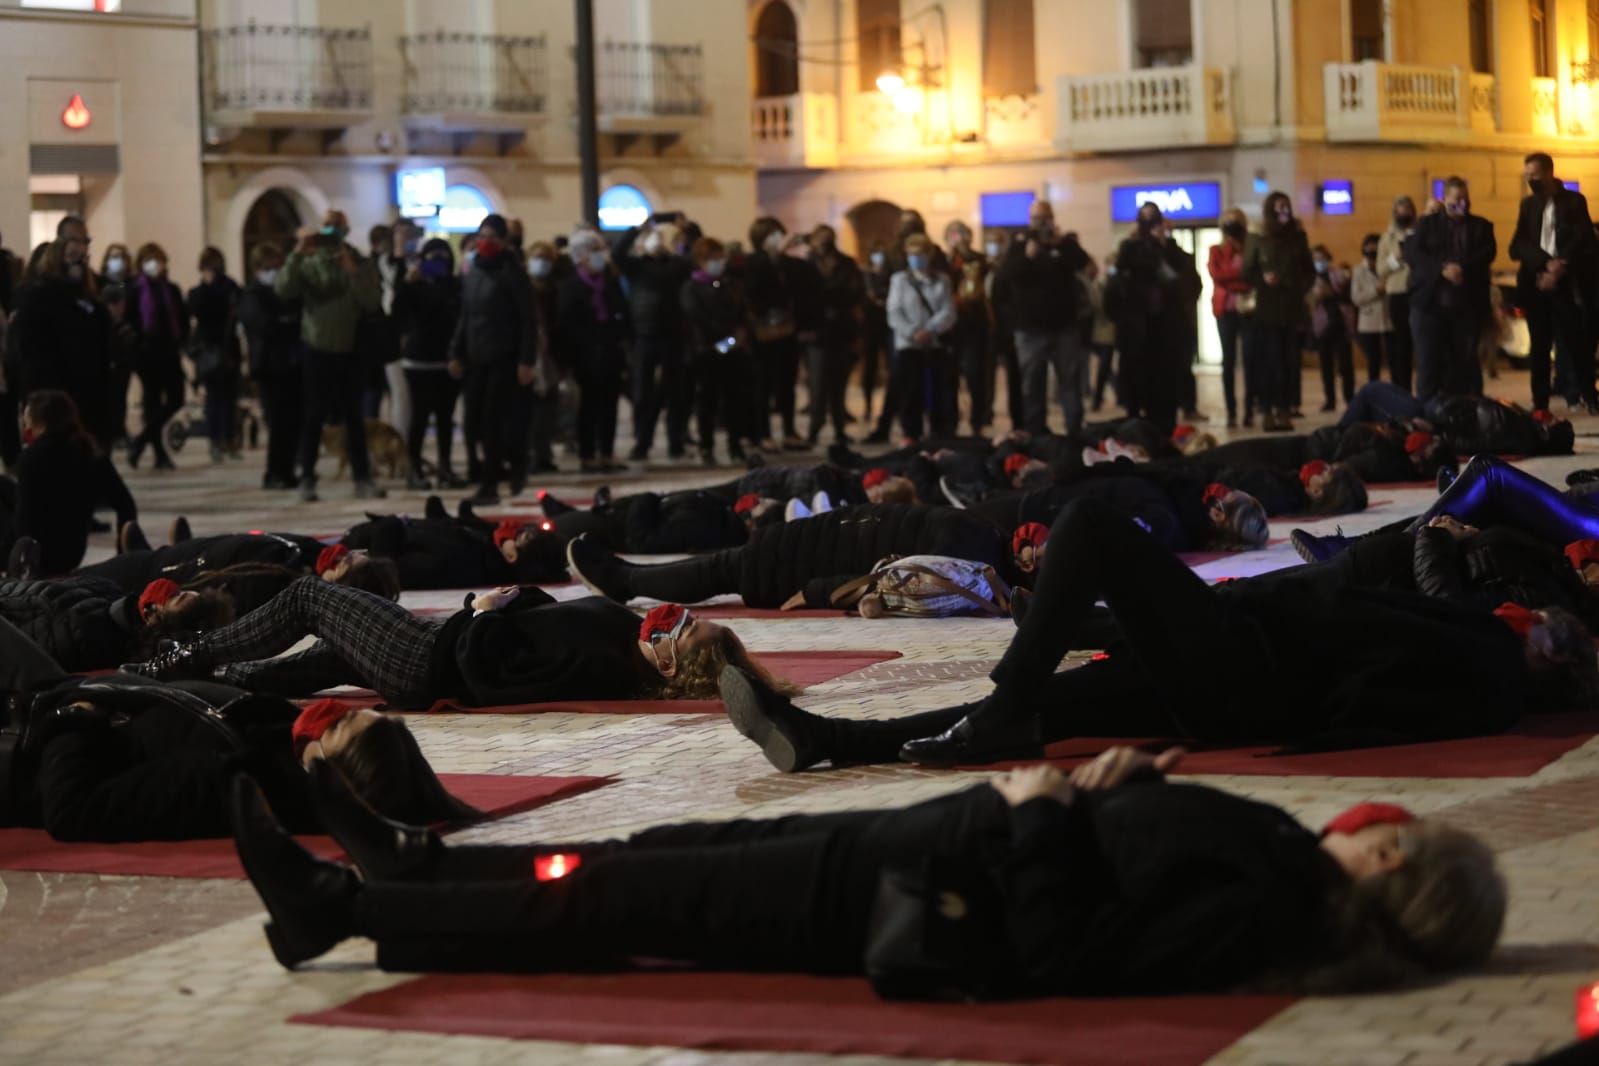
(776, 51)
(875, 222)
(273, 217)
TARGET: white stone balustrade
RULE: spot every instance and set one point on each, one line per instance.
(1374, 101)
(1157, 108)
(800, 130)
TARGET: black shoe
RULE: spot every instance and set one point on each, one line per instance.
(1583, 477)
(465, 512)
(163, 461)
(484, 497)
(770, 720)
(553, 505)
(1314, 549)
(974, 740)
(179, 532)
(1020, 599)
(311, 902)
(433, 507)
(1446, 477)
(451, 480)
(515, 486)
(175, 662)
(23, 564)
(381, 849)
(601, 572)
(638, 454)
(602, 498)
(135, 453)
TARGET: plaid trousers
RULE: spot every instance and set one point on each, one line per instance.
(362, 639)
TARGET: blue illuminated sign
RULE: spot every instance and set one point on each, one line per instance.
(1197, 201)
(623, 207)
(419, 191)
(1005, 208)
(1337, 197)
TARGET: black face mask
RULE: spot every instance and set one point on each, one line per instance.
(1370, 251)
(1236, 230)
(1404, 219)
(1147, 225)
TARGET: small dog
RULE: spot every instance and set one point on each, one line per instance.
(384, 446)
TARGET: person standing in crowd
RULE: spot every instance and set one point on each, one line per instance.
(769, 275)
(1373, 328)
(1101, 333)
(1277, 265)
(61, 332)
(842, 293)
(114, 266)
(594, 328)
(1451, 261)
(1555, 284)
(1394, 273)
(1226, 267)
(271, 326)
(878, 351)
(214, 351)
(921, 312)
(968, 274)
(544, 410)
(1153, 297)
(376, 342)
(1041, 301)
(10, 269)
(717, 322)
(1001, 335)
(493, 352)
(654, 272)
(335, 287)
(1330, 325)
(426, 310)
(122, 349)
(163, 328)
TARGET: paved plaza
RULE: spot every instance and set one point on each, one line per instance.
(130, 970)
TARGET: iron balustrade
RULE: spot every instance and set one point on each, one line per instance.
(650, 79)
(472, 72)
(267, 67)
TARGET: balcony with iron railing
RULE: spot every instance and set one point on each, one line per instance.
(1160, 107)
(287, 77)
(1374, 101)
(649, 88)
(471, 82)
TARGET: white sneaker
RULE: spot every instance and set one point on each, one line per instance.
(821, 503)
(796, 509)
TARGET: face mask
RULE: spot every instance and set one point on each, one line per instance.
(115, 266)
(539, 267)
(652, 243)
(411, 246)
(715, 267)
(1321, 266)
(152, 268)
(1404, 218)
(878, 259)
(993, 249)
(1285, 215)
(596, 262)
(336, 232)
(1236, 230)
(1458, 209)
(267, 277)
(1536, 185)
(773, 242)
(435, 268)
(469, 257)
(916, 262)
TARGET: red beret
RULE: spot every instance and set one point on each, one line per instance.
(1582, 552)
(746, 503)
(506, 530)
(1543, 417)
(1015, 462)
(1028, 535)
(156, 593)
(1215, 492)
(1311, 469)
(875, 476)
(329, 557)
(1182, 433)
(1418, 441)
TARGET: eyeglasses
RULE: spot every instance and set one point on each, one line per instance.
(663, 642)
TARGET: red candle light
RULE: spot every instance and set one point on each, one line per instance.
(554, 867)
(1588, 1010)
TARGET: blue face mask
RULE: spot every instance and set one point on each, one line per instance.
(916, 262)
(435, 268)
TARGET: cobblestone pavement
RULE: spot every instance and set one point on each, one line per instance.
(129, 970)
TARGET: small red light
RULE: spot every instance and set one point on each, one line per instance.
(255, 532)
(542, 494)
(554, 867)
(76, 116)
(546, 526)
(1588, 1010)
(1099, 657)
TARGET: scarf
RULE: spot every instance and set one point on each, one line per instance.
(155, 298)
(1362, 815)
(596, 284)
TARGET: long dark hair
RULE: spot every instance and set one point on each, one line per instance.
(211, 608)
(1342, 493)
(385, 765)
(56, 415)
(375, 574)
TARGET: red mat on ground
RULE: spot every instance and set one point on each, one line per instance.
(738, 610)
(1525, 750)
(498, 795)
(828, 1016)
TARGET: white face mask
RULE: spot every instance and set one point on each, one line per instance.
(878, 259)
(116, 266)
(652, 243)
(468, 258)
(152, 268)
(538, 266)
(267, 277)
(715, 267)
(993, 249)
(774, 242)
(596, 262)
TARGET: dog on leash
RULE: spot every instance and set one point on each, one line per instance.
(384, 446)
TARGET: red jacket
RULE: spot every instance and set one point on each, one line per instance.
(1227, 274)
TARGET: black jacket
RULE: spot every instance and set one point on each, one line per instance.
(589, 344)
(1480, 425)
(1286, 254)
(1039, 295)
(1438, 242)
(426, 314)
(83, 623)
(712, 312)
(1375, 453)
(448, 553)
(498, 322)
(132, 571)
(1155, 287)
(60, 482)
(214, 308)
(1574, 242)
(60, 337)
(271, 331)
(650, 523)
(1498, 565)
(654, 283)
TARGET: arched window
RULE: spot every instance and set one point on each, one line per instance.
(623, 207)
(273, 217)
(776, 51)
(464, 209)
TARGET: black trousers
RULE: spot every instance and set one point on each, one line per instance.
(877, 349)
(281, 399)
(494, 422)
(161, 380)
(1337, 366)
(433, 395)
(1230, 329)
(723, 391)
(828, 363)
(658, 386)
(690, 580)
(1277, 349)
(776, 378)
(1556, 318)
(599, 381)
(334, 382)
(924, 383)
(1374, 346)
(969, 340)
(790, 893)
(1446, 352)
(1402, 341)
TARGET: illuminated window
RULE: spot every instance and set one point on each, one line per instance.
(623, 207)
(463, 210)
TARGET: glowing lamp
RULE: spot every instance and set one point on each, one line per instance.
(76, 116)
(546, 526)
(890, 83)
(1588, 1010)
(556, 866)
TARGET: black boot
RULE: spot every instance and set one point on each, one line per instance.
(983, 736)
(434, 508)
(553, 505)
(311, 902)
(601, 572)
(383, 850)
(179, 532)
(24, 562)
(789, 737)
(177, 661)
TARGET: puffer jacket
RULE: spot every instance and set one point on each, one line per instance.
(1478, 425)
(78, 621)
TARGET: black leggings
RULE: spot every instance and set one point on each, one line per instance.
(433, 395)
(690, 580)
(789, 893)
(362, 639)
(1491, 492)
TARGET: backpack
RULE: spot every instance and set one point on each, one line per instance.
(927, 586)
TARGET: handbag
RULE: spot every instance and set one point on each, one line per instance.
(1247, 302)
(928, 586)
(933, 934)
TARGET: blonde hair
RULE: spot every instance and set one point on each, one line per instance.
(698, 672)
(897, 489)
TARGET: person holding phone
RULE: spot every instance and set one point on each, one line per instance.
(717, 320)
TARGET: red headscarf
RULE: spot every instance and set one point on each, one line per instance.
(1182, 433)
(156, 593)
(506, 530)
(1582, 552)
(1520, 619)
(1417, 441)
(1544, 417)
(329, 557)
(1362, 815)
(875, 476)
(1311, 469)
(663, 619)
(1015, 462)
(1028, 535)
(1215, 492)
(746, 503)
(315, 720)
